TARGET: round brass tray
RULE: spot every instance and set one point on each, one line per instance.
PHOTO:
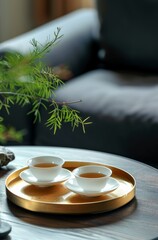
(58, 199)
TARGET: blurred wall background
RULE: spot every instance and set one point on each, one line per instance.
(19, 16)
(16, 17)
(50, 9)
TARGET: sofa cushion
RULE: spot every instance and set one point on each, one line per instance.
(123, 109)
(116, 94)
(129, 33)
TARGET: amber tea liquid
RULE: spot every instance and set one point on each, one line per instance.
(92, 175)
(45, 165)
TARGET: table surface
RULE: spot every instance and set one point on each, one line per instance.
(136, 220)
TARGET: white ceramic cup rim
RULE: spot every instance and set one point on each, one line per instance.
(45, 159)
(92, 169)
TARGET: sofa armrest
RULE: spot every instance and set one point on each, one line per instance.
(80, 31)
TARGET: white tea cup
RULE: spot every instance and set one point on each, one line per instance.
(45, 168)
(92, 177)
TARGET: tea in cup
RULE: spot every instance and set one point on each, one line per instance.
(45, 168)
(92, 177)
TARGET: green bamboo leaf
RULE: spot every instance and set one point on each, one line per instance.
(24, 79)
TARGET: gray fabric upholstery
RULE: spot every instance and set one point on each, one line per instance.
(123, 109)
(114, 94)
(129, 33)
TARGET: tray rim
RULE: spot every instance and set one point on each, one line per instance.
(15, 198)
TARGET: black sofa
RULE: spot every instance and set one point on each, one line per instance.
(112, 52)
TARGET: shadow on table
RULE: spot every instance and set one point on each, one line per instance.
(73, 221)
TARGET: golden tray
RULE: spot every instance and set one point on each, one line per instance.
(58, 199)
